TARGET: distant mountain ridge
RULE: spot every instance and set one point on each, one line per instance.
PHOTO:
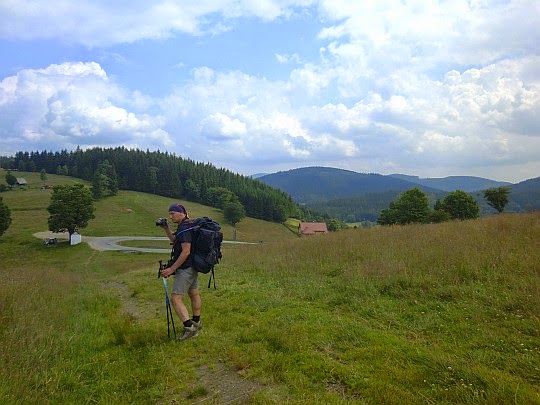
(525, 196)
(311, 184)
(315, 184)
(452, 183)
(353, 196)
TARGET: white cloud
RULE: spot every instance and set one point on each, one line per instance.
(105, 23)
(250, 118)
(310, 79)
(70, 104)
(423, 34)
(284, 59)
(396, 86)
(218, 125)
(469, 119)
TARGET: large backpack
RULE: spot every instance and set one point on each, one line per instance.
(205, 246)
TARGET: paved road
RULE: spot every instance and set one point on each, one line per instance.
(111, 242)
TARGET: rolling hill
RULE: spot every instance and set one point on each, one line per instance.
(465, 183)
(355, 197)
(316, 184)
(439, 313)
(526, 195)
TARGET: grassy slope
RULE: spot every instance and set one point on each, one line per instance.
(445, 313)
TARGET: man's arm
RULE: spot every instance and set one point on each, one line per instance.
(186, 250)
(170, 234)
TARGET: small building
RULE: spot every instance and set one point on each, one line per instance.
(312, 228)
(75, 238)
(21, 182)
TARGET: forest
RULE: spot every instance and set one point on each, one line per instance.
(164, 174)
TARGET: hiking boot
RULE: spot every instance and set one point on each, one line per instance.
(198, 325)
(189, 332)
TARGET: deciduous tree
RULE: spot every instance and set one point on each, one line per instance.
(461, 205)
(72, 206)
(219, 196)
(411, 207)
(11, 180)
(497, 197)
(336, 224)
(234, 212)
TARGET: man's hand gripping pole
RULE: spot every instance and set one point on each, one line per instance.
(170, 318)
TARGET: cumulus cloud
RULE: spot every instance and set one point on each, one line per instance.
(395, 86)
(219, 126)
(476, 117)
(105, 23)
(227, 116)
(71, 104)
(427, 33)
(450, 120)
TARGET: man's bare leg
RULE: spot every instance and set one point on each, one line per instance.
(196, 303)
(179, 306)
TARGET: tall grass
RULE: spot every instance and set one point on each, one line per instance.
(444, 313)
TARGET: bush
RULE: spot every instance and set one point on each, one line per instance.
(5, 217)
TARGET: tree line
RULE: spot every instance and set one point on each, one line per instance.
(164, 174)
(413, 207)
(72, 206)
(367, 208)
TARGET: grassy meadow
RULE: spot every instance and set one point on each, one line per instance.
(422, 314)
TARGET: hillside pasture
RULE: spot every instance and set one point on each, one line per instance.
(438, 314)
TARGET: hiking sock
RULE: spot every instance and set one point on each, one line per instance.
(188, 323)
(196, 318)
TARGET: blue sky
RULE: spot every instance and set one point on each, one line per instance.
(428, 88)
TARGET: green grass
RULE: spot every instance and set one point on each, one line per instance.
(445, 313)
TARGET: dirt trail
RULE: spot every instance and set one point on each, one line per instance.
(223, 385)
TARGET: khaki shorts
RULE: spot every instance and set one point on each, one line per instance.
(185, 280)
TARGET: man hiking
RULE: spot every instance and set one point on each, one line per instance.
(185, 275)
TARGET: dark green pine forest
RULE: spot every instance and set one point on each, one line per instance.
(167, 175)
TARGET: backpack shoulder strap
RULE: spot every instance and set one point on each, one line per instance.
(192, 226)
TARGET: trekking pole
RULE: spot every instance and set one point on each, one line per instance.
(170, 318)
